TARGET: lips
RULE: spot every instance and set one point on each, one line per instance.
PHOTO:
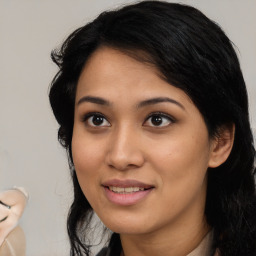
(126, 192)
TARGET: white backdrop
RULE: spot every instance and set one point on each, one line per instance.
(29, 152)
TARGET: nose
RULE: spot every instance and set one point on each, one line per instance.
(125, 150)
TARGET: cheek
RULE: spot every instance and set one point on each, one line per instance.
(182, 161)
(182, 168)
(86, 151)
(84, 155)
(87, 158)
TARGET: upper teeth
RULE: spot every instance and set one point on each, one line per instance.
(125, 190)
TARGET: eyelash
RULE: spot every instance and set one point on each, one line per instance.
(170, 119)
(162, 115)
(86, 117)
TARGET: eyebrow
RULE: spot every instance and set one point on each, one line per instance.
(153, 101)
(96, 100)
(160, 100)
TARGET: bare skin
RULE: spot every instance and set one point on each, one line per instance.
(133, 130)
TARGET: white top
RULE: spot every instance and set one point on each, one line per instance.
(204, 248)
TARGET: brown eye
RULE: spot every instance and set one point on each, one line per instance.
(96, 120)
(158, 120)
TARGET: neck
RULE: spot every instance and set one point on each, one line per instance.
(174, 242)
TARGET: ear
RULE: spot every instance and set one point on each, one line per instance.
(222, 145)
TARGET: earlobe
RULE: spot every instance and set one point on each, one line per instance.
(222, 145)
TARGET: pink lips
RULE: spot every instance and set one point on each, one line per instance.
(126, 198)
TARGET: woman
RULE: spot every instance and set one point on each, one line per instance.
(153, 112)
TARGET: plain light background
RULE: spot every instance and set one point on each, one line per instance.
(30, 155)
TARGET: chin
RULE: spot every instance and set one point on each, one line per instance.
(127, 225)
(129, 230)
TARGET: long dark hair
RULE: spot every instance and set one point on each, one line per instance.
(193, 54)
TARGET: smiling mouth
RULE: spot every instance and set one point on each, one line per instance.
(126, 196)
(128, 190)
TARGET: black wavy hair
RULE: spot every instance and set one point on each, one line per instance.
(194, 54)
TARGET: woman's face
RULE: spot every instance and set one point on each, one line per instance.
(140, 146)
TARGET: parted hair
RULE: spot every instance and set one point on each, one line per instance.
(194, 54)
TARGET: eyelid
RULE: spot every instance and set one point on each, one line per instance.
(171, 118)
(86, 116)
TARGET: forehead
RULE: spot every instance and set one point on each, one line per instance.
(110, 72)
(106, 62)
